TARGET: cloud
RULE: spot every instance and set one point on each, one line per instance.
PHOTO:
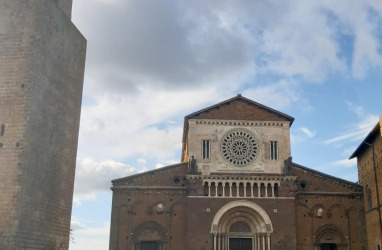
(160, 44)
(76, 225)
(95, 238)
(346, 163)
(137, 125)
(301, 134)
(94, 176)
(307, 132)
(142, 161)
(357, 132)
(281, 94)
(183, 45)
(159, 165)
(357, 109)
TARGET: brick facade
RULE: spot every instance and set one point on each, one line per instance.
(203, 204)
(369, 161)
(42, 57)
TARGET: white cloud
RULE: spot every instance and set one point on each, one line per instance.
(278, 95)
(142, 161)
(188, 45)
(357, 109)
(357, 132)
(302, 134)
(76, 225)
(95, 238)
(94, 176)
(308, 132)
(133, 125)
(346, 162)
(159, 165)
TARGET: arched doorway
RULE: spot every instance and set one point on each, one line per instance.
(241, 225)
(330, 237)
(149, 236)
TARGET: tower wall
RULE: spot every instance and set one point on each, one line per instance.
(42, 57)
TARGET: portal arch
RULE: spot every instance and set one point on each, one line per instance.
(250, 221)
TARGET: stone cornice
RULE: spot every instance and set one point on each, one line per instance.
(331, 193)
(238, 122)
(162, 188)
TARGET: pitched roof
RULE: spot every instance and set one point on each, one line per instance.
(249, 101)
(354, 184)
(368, 139)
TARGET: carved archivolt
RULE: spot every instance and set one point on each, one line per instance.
(329, 233)
(149, 231)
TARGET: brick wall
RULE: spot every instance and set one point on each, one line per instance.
(42, 58)
(367, 180)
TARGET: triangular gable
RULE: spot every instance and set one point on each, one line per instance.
(240, 108)
(236, 108)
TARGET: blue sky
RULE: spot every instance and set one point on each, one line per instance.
(151, 63)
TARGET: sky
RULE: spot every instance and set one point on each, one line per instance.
(150, 63)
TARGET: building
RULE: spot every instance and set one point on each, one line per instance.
(369, 154)
(236, 187)
(42, 56)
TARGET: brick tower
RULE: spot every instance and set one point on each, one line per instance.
(42, 56)
(368, 155)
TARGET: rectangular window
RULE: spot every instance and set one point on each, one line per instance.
(149, 245)
(273, 150)
(206, 149)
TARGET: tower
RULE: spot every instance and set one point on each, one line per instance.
(42, 56)
(368, 155)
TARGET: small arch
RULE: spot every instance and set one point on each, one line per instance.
(331, 208)
(138, 203)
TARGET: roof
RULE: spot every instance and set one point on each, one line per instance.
(326, 175)
(149, 172)
(368, 139)
(239, 96)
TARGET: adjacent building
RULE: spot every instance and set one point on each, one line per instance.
(42, 56)
(369, 159)
(236, 187)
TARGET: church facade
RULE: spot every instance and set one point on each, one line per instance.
(236, 188)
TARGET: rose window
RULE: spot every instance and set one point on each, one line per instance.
(239, 147)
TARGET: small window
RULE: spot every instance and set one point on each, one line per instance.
(273, 150)
(206, 149)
